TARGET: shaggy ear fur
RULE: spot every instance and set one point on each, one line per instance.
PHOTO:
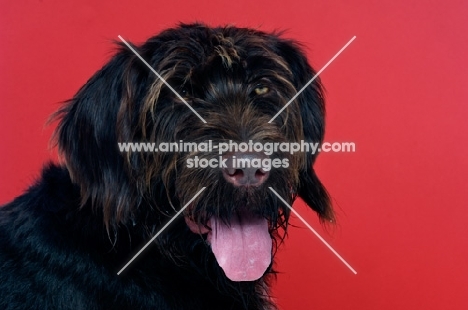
(87, 137)
(312, 106)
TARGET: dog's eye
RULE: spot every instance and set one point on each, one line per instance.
(261, 89)
(185, 92)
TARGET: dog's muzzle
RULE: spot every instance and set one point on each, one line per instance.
(243, 248)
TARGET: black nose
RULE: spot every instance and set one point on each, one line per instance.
(243, 169)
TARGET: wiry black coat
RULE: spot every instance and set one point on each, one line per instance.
(55, 255)
(63, 241)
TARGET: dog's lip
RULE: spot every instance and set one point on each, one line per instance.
(197, 228)
(201, 229)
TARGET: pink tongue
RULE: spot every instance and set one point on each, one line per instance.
(243, 249)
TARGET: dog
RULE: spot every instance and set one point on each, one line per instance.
(63, 242)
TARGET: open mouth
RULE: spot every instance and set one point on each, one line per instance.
(243, 248)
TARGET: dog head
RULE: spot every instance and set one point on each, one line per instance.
(237, 80)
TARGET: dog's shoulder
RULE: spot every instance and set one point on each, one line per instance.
(32, 236)
(57, 254)
(52, 194)
(34, 212)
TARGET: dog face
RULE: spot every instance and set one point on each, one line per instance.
(237, 80)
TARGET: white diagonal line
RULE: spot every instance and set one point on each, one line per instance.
(161, 230)
(315, 76)
(313, 230)
(161, 78)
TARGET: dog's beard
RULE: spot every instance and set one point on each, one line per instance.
(239, 223)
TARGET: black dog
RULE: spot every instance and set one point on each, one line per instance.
(63, 242)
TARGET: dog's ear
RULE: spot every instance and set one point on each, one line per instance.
(312, 106)
(89, 128)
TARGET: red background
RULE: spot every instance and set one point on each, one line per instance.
(399, 92)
